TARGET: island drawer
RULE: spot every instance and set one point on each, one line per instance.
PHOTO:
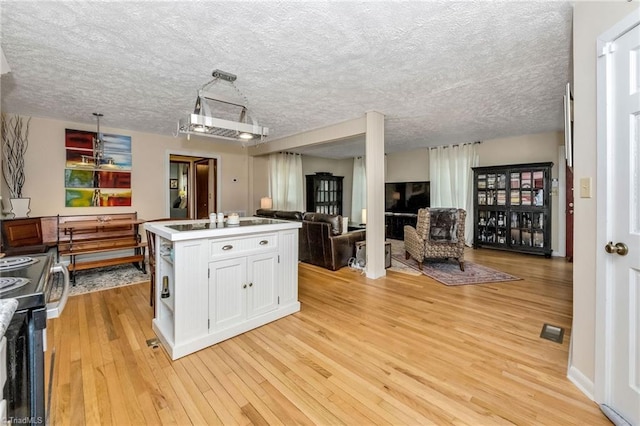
(237, 245)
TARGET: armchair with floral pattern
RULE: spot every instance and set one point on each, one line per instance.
(439, 233)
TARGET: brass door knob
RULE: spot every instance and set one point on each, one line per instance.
(619, 248)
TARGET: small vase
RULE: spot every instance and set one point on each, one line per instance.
(20, 207)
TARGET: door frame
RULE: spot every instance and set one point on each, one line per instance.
(218, 173)
(605, 205)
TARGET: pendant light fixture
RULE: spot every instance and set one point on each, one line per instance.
(97, 158)
(202, 121)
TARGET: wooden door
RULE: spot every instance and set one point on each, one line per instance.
(202, 189)
(569, 214)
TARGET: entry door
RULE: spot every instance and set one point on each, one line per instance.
(623, 260)
(569, 214)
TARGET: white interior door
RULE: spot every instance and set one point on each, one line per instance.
(623, 234)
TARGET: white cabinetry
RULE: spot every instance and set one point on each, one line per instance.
(223, 285)
(241, 288)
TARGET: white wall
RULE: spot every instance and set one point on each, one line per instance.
(408, 166)
(590, 19)
(259, 171)
(45, 164)
(540, 147)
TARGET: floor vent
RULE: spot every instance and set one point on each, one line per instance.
(153, 343)
(552, 332)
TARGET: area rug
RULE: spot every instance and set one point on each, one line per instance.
(98, 279)
(397, 266)
(448, 272)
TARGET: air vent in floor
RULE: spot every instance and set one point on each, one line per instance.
(153, 343)
(552, 332)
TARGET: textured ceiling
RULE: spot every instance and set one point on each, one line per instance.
(442, 72)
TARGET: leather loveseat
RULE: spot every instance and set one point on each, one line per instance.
(280, 214)
(321, 241)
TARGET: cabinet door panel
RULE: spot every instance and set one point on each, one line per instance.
(227, 297)
(263, 291)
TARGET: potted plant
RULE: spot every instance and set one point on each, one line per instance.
(15, 141)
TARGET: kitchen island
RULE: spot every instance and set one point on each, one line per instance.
(215, 280)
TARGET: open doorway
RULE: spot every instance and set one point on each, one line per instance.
(192, 186)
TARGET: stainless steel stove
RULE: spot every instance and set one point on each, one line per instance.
(30, 280)
(16, 262)
(12, 283)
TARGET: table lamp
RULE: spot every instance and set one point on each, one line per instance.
(266, 203)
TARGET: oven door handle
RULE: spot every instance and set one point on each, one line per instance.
(55, 309)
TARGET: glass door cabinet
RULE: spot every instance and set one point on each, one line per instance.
(512, 207)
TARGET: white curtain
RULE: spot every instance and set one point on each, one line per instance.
(451, 179)
(286, 180)
(359, 190)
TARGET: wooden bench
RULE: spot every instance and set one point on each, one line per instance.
(82, 235)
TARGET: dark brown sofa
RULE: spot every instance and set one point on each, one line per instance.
(321, 241)
(280, 214)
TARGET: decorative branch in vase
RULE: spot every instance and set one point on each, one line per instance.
(15, 141)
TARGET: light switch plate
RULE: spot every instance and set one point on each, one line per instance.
(585, 187)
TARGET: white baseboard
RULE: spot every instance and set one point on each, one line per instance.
(582, 382)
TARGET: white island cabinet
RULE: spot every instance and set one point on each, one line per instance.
(215, 281)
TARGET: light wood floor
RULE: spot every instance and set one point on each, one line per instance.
(397, 350)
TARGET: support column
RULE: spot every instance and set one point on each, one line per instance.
(374, 161)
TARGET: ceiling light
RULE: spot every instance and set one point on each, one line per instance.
(215, 115)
